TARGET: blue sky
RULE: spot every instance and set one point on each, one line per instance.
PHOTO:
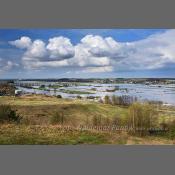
(57, 53)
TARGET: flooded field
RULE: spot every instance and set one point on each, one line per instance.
(163, 93)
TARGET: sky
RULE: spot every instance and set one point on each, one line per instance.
(87, 53)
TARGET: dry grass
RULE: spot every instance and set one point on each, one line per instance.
(21, 134)
(36, 111)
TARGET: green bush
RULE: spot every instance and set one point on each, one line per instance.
(8, 115)
(59, 96)
(79, 97)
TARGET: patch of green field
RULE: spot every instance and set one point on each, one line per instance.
(38, 109)
(20, 134)
(75, 91)
(56, 86)
(52, 135)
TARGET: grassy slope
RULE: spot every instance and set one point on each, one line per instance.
(37, 109)
(20, 134)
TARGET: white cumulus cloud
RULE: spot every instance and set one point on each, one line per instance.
(95, 53)
(60, 48)
(22, 43)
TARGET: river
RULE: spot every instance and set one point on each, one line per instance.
(164, 93)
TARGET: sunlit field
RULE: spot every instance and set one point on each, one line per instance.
(51, 120)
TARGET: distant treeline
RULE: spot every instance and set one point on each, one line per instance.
(7, 89)
(104, 80)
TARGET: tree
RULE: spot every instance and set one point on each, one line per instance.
(107, 100)
(115, 100)
(142, 117)
(42, 86)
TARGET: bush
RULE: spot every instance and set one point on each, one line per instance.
(8, 115)
(107, 100)
(42, 86)
(171, 129)
(126, 100)
(79, 97)
(115, 100)
(7, 89)
(59, 96)
(123, 100)
(152, 102)
(142, 117)
(58, 118)
(90, 97)
(118, 121)
(96, 120)
(106, 121)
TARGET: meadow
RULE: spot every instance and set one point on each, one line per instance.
(43, 120)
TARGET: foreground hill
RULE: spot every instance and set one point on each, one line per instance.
(40, 122)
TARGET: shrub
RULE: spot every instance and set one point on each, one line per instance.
(152, 102)
(8, 115)
(107, 100)
(115, 100)
(90, 97)
(79, 97)
(58, 118)
(117, 121)
(42, 86)
(7, 89)
(126, 100)
(171, 129)
(59, 96)
(106, 121)
(96, 120)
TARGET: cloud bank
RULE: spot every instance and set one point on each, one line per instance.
(95, 53)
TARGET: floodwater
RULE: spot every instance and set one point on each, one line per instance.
(164, 93)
